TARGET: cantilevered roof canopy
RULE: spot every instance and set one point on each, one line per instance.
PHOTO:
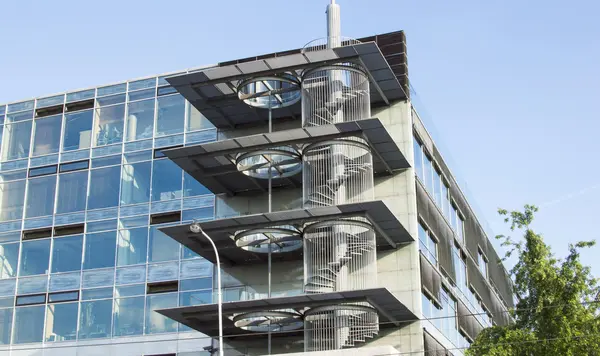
(213, 91)
(390, 232)
(204, 318)
(213, 164)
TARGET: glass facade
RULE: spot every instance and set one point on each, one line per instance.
(77, 191)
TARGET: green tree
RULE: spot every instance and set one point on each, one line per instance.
(557, 308)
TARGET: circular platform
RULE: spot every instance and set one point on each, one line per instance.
(281, 238)
(265, 321)
(273, 91)
(277, 162)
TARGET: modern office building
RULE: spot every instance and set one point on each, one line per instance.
(337, 221)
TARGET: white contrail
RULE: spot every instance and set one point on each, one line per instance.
(569, 196)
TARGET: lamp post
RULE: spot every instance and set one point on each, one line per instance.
(195, 228)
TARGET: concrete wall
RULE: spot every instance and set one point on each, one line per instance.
(399, 270)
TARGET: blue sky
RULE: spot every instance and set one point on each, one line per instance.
(511, 86)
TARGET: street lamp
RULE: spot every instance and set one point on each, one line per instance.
(196, 228)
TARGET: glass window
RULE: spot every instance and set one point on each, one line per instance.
(192, 187)
(46, 138)
(104, 187)
(142, 84)
(100, 250)
(167, 180)
(195, 298)
(129, 316)
(460, 228)
(95, 319)
(427, 244)
(132, 246)
(29, 324)
(446, 200)
(108, 125)
(35, 257)
(42, 171)
(78, 130)
(437, 182)
(66, 253)
(162, 247)
(81, 95)
(16, 139)
(61, 322)
(155, 322)
(483, 264)
(112, 89)
(428, 173)
(197, 121)
(31, 299)
(6, 316)
(135, 183)
(9, 255)
(12, 197)
(140, 120)
(40, 196)
(72, 192)
(171, 115)
(418, 158)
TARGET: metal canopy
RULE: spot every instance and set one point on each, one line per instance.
(213, 164)
(390, 232)
(213, 91)
(204, 318)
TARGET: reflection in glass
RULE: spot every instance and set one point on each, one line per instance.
(197, 121)
(108, 125)
(40, 196)
(195, 298)
(61, 322)
(32, 285)
(6, 316)
(155, 322)
(16, 139)
(46, 138)
(167, 180)
(135, 183)
(35, 256)
(78, 130)
(104, 187)
(100, 250)
(9, 255)
(171, 115)
(140, 120)
(72, 192)
(129, 316)
(66, 254)
(192, 187)
(29, 324)
(95, 319)
(132, 246)
(12, 196)
(161, 247)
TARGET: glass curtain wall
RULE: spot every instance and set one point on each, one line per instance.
(87, 182)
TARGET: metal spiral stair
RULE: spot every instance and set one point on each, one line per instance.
(324, 194)
(325, 277)
(344, 325)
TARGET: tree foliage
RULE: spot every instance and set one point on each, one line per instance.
(557, 308)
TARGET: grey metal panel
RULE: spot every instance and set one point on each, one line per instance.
(475, 236)
(430, 278)
(432, 346)
(466, 320)
(436, 223)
